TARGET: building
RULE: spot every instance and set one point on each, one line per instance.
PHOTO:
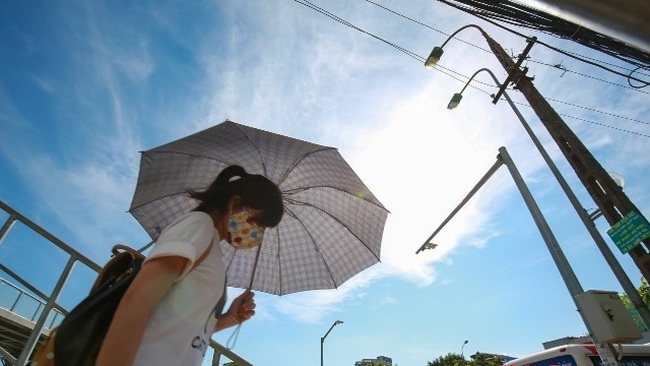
(380, 359)
(492, 356)
(567, 340)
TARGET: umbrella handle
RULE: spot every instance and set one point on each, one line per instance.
(233, 338)
(257, 258)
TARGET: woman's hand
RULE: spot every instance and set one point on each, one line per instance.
(241, 309)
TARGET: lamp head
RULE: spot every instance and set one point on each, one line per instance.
(453, 103)
(338, 322)
(434, 57)
(429, 246)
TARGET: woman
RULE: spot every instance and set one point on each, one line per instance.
(175, 303)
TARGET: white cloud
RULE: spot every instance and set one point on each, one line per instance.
(313, 306)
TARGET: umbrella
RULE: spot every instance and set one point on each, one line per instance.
(332, 226)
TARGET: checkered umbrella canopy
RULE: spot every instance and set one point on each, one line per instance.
(332, 226)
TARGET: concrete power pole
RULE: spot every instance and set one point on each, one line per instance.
(608, 196)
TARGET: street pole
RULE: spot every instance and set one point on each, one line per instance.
(462, 349)
(605, 350)
(608, 196)
(322, 339)
(619, 272)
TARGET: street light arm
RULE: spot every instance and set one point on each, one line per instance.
(460, 29)
(513, 72)
(322, 339)
(472, 78)
(478, 186)
(437, 52)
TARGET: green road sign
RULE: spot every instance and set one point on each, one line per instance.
(631, 230)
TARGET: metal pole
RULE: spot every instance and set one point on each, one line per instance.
(322, 339)
(616, 267)
(33, 337)
(559, 258)
(11, 220)
(471, 193)
(605, 351)
(609, 197)
(462, 355)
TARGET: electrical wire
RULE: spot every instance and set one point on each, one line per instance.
(628, 76)
(631, 71)
(426, 26)
(632, 60)
(564, 69)
(348, 24)
(577, 118)
(597, 111)
(519, 14)
(451, 73)
(592, 122)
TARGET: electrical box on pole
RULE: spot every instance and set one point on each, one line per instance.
(607, 316)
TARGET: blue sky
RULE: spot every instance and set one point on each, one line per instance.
(84, 86)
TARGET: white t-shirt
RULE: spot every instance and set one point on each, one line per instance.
(180, 327)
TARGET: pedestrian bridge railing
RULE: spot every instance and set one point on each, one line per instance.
(42, 311)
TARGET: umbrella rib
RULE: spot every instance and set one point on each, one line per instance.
(239, 127)
(279, 262)
(298, 190)
(160, 197)
(337, 220)
(297, 162)
(315, 245)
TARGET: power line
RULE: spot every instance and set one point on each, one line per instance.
(573, 55)
(426, 26)
(348, 24)
(564, 69)
(629, 77)
(450, 72)
(577, 118)
(518, 14)
(597, 111)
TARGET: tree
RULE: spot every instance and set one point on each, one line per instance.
(644, 291)
(451, 359)
(480, 359)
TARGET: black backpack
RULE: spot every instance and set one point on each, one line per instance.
(77, 340)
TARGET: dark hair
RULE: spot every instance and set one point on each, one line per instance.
(256, 191)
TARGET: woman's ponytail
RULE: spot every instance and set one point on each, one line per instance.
(254, 190)
(229, 173)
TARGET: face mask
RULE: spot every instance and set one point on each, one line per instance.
(244, 232)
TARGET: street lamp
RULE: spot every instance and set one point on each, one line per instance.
(437, 51)
(608, 196)
(429, 246)
(322, 339)
(587, 219)
(461, 350)
(560, 260)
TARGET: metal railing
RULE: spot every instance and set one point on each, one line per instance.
(48, 303)
(26, 305)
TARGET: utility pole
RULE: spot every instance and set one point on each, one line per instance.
(608, 196)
